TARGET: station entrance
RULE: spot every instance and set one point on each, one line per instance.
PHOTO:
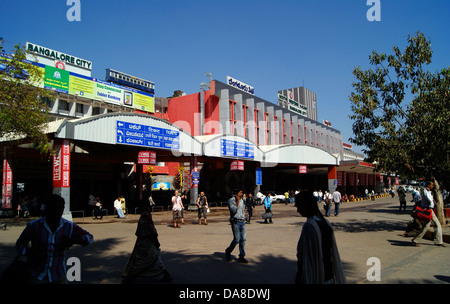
(102, 161)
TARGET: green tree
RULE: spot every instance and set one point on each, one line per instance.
(401, 114)
(23, 115)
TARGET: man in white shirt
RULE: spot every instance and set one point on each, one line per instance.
(118, 207)
(177, 208)
(337, 201)
(428, 203)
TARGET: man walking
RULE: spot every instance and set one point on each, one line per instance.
(249, 205)
(268, 209)
(428, 203)
(237, 221)
(177, 209)
(202, 204)
(337, 201)
(402, 198)
(50, 237)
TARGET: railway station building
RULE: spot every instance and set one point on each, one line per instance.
(119, 139)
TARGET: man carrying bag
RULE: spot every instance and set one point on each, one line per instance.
(268, 207)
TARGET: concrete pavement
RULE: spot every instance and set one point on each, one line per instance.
(194, 254)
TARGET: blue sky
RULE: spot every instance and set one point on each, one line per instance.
(270, 45)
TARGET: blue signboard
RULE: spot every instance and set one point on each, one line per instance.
(236, 149)
(128, 133)
(258, 176)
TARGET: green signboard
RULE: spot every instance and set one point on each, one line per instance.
(56, 79)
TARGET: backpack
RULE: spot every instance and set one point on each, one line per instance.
(423, 215)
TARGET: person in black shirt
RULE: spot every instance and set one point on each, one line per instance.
(249, 205)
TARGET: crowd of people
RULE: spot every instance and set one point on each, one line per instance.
(318, 259)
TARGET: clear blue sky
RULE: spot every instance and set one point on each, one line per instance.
(271, 45)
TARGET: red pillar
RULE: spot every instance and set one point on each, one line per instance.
(332, 178)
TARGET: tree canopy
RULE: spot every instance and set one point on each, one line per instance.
(22, 112)
(401, 112)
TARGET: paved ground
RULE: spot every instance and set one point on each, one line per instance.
(194, 254)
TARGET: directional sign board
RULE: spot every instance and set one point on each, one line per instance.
(128, 133)
(236, 148)
(258, 176)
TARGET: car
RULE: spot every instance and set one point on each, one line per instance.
(275, 198)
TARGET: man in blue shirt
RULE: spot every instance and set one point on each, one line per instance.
(50, 236)
(268, 208)
(237, 220)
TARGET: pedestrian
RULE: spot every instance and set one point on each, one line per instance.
(26, 207)
(416, 198)
(316, 195)
(98, 209)
(318, 259)
(249, 206)
(291, 197)
(268, 209)
(202, 204)
(444, 193)
(337, 201)
(151, 201)
(327, 203)
(145, 260)
(185, 201)
(237, 221)
(428, 203)
(177, 206)
(90, 207)
(123, 204)
(402, 198)
(118, 207)
(50, 236)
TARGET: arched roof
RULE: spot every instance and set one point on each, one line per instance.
(298, 154)
(111, 128)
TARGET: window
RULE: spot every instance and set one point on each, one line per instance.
(304, 135)
(63, 105)
(95, 111)
(256, 127)
(266, 123)
(291, 133)
(244, 120)
(232, 117)
(79, 108)
(48, 101)
(276, 129)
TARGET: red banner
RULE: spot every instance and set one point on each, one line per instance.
(237, 165)
(147, 158)
(302, 169)
(61, 165)
(7, 185)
